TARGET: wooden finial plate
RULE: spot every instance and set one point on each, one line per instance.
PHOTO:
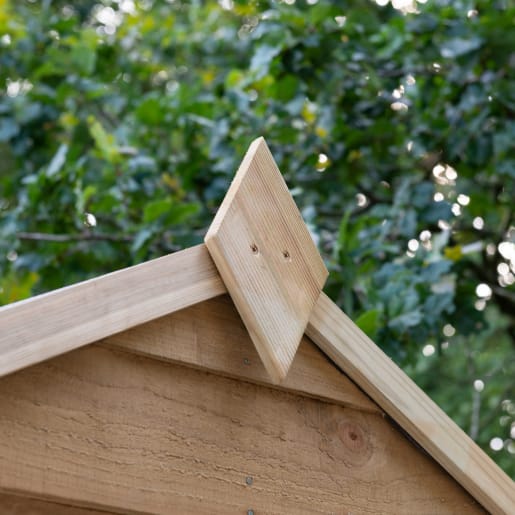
(267, 259)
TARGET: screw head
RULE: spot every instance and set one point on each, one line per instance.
(249, 480)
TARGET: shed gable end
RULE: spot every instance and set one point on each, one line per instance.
(114, 430)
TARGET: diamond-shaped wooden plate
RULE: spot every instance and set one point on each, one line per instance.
(267, 259)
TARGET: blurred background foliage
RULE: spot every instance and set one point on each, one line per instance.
(122, 123)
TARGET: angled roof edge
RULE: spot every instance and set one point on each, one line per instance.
(371, 369)
(51, 324)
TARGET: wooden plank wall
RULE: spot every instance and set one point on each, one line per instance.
(211, 336)
(116, 431)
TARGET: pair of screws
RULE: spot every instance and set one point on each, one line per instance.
(255, 250)
(249, 481)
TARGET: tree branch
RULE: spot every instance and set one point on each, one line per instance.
(66, 238)
(160, 245)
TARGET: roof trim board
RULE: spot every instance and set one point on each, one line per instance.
(53, 323)
(358, 356)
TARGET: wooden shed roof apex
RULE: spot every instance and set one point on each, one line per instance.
(51, 324)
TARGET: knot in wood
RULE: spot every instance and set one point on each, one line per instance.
(347, 440)
(352, 436)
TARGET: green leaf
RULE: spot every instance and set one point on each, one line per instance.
(105, 142)
(15, 287)
(141, 238)
(57, 161)
(234, 78)
(457, 47)
(155, 209)
(8, 129)
(88, 192)
(174, 212)
(150, 111)
(369, 322)
(84, 58)
(406, 320)
(286, 89)
(261, 60)
(181, 212)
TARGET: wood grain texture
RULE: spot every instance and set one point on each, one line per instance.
(65, 319)
(122, 432)
(16, 505)
(211, 336)
(267, 259)
(410, 407)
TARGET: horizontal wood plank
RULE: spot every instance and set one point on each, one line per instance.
(122, 432)
(410, 407)
(211, 336)
(48, 325)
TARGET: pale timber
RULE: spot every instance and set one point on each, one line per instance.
(211, 336)
(410, 407)
(119, 432)
(48, 325)
(267, 259)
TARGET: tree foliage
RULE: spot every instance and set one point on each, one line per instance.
(122, 124)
